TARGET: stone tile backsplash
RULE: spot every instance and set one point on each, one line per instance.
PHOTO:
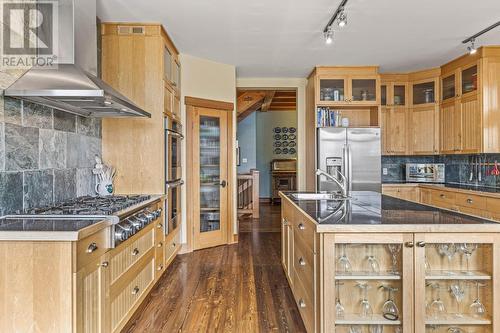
(458, 168)
(46, 155)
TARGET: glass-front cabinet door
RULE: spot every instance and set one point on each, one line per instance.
(333, 90)
(369, 278)
(469, 79)
(363, 90)
(456, 283)
(448, 89)
(167, 64)
(399, 95)
(383, 95)
(213, 172)
(424, 93)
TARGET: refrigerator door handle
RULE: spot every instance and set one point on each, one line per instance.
(349, 170)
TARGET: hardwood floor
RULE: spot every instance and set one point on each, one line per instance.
(234, 288)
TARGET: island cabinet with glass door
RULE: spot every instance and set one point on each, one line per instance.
(392, 276)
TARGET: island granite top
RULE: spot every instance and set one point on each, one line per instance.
(374, 212)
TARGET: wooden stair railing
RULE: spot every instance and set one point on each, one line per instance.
(248, 193)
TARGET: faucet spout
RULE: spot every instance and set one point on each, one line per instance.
(342, 185)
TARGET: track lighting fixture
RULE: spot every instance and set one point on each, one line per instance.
(471, 48)
(329, 35)
(342, 18)
(339, 17)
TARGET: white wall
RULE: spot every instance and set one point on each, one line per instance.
(207, 79)
(300, 85)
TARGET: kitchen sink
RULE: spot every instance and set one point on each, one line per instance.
(318, 196)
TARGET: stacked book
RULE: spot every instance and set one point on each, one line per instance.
(328, 117)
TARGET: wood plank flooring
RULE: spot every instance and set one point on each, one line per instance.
(234, 288)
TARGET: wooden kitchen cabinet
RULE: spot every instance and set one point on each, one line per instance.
(348, 86)
(287, 240)
(141, 62)
(394, 101)
(92, 282)
(405, 192)
(424, 112)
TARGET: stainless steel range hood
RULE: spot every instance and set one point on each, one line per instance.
(67, 86)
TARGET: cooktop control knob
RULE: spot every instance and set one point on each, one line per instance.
(137, 223)
(121, 234)
(158, 212)
(129, 227)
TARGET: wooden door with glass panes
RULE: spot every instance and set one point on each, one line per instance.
(456, 283)
(210, 176)
(370, 283)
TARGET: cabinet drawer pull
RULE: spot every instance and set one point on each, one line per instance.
(301, 226)
(135, 291)
(421, 244)
(469, 200)
(442, 195)
(409, 244)
(302, 262)
(160, 244)
(159, 226)
(135, 252)
(105, 264)
(302, 304)
(174, 244)
(92, 248)
(160, 267)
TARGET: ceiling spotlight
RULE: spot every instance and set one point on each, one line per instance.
(329, 35)
(342, 18)
(472, 48)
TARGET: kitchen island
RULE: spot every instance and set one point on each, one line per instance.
(344, 259)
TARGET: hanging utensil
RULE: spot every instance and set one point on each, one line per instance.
(479, 174)
(471, 176)
(495, 172)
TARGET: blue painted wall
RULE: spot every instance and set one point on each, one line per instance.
(247, 140)
(266, 121)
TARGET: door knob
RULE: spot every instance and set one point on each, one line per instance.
(223, 183)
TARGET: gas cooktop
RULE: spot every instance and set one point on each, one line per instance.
(88, 205)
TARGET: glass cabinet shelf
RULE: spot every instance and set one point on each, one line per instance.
(368, 276)
(356, 319)
(451, 319)
(457, 275)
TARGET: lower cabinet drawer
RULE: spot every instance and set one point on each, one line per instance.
(304, 229)
(125, 295)
(304, 302)
(303, 262)
(443, 197)
(171, 245)
(470, 201)
(133, 251)
(493, 206)
(91, 248)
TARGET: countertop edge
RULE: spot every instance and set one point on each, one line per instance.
(397, 228)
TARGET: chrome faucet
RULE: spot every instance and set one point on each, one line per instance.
(342, 185)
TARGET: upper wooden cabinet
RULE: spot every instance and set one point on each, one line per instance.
(347, 86)
(470, 113)
(138, 60)
(423, 129)
(394, 101)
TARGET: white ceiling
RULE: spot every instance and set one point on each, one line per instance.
(283, 38)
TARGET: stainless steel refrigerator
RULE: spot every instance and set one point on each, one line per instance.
(355, 152)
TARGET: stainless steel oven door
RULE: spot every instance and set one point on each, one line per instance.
(173, 206)
(173, 146)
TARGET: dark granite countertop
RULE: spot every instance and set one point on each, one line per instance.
(375, 209)
(51, 228)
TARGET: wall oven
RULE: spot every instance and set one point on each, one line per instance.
(173, 174)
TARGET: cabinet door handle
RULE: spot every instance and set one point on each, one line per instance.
(160, 267)
(302, 304)
(302, 262)
(469, 200)
(105, 264)
(409, 244)
(92, 248)
(160, 244)
(421, 244)
(442, 195)
(135, 252)
(135, 291)
(174, 244)
(301, 226)
(159, 226)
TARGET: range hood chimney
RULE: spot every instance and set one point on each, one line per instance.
(69, 87)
